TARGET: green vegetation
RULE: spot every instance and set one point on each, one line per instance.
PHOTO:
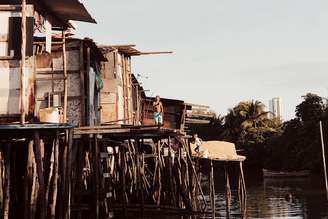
(269, 143)
(248, 126)
(298, 147)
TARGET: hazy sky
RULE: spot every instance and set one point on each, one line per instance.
(225, 51)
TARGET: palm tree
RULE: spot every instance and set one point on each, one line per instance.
(248, 123)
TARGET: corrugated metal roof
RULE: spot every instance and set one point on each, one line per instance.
(129, 50)
(61, 10)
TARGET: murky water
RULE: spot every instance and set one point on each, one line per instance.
(279, 198)
(274, 198)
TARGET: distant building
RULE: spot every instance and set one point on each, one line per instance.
(275, 107)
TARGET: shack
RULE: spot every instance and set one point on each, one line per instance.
(122, 94)
(19, 24)
(174, 113)
(35, 158)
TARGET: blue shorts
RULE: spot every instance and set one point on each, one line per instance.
(158, 118)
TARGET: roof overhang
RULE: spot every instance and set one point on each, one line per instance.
(60, 12)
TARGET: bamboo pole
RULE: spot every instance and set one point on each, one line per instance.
(2, 170)
(324, 158)
(39, 167)
(123, 181)
(228, 191)
(35, 187)
(29, 178)
(6, 204)
(244, 194)
(212, 189)
(69, 173)
(172, 198)
(51, 168)
(55, 180)
(96, 174)
(23, 56)
(65, 77)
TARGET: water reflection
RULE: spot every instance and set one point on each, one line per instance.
(274, 198)
(279, 198)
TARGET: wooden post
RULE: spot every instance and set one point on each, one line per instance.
(172, 198)
(39, 167)
(55, 180)
(324, 158)
(23, 57)
(6, 204)
(122, 176)
(69, 173)
(28, 180)
(228, 191)
(243, 190)
(96, 174)
(212, 190)
(82, 87)
(87, 82)
(139, 183)
(51, 168)
(65, 77)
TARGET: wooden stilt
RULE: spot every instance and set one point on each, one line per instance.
(52, 158)
(55, 180)
(324, 159)
(28, 179)
(228, 191)
(123, 181)
(212, 189)
(6, 204)
(35, 186)
(69, 173)
(39, 167)
(96, 174)
(244, 193)
(173, 198)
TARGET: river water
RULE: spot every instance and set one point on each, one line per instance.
(279, 198)
(273, 198)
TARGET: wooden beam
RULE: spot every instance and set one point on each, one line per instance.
(10, 7)
(156, 53)
(65, 78)
(23, 54)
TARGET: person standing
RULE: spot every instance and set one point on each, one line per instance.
(198, 142)
(158, 111)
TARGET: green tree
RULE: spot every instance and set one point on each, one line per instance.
(248, 126)
(298, 147)
(248, 123)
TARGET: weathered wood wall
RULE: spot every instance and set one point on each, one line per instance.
(117, 96)
(174, 113)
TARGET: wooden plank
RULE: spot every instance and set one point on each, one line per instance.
(108, 131)
(10, 7)
(51, 79)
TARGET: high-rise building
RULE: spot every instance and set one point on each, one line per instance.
(275, 107)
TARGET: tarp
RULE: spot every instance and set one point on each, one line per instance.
(218, 150)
